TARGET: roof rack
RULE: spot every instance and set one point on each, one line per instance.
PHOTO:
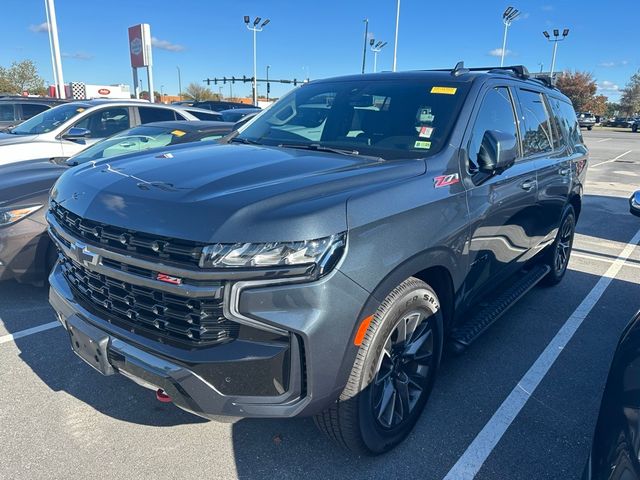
(519, 70)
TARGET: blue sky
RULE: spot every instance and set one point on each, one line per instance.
(320, 38)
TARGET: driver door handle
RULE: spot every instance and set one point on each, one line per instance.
(528, 185)
(564, 171)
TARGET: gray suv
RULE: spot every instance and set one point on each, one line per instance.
(319, 261)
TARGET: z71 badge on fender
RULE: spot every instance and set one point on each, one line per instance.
(446, 180)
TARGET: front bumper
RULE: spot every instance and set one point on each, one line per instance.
(319, 318)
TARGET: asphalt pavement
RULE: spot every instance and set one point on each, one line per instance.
(491, 414)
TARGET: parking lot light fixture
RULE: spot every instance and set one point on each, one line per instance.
(376, 48)
(509, 15)
(255, 28)
(556, 38)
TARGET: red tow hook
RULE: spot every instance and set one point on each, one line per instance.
(162, 396)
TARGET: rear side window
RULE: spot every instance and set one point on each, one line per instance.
(567, 121)
(150, 114)
(31, 109)
(496, 113)
(6, 112)
(536, 137)
(213, 116)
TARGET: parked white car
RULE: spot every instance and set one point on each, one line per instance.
(67, 129)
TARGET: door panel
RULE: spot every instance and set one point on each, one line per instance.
(501, 208)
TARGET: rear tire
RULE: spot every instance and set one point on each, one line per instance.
(393, 374)
(634, 128)
(558, 254)
(589, 128)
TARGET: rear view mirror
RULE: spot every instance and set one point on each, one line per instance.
(498, 151)
(634, 204)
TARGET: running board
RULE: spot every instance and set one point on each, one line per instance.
(463, 335)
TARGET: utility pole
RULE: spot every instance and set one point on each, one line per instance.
(255, 29)
(268, 84)
(55, 47)
(395, 44)
(508, 16)
(179, 84)
(364, 48)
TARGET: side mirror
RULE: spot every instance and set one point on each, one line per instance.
(498, 151)
(77, 134)
(634, 204)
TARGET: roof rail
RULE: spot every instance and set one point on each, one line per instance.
(520, 70)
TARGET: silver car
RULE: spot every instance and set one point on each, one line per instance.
(68, 129)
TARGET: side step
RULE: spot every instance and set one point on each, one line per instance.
(463, 335)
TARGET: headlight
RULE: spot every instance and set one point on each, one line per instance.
(323, 252)
(13, 214)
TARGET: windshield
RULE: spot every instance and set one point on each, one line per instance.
(131, 141)
(387, 119)
(49, 119)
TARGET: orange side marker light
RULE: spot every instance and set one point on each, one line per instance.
(362, 330)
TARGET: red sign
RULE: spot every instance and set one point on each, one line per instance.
(140, 45)
(104, 91)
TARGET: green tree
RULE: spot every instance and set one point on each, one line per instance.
(21, 76)
(199, 93)
(580, 87)
(630, 100)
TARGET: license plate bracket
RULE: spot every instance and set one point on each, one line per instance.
(90, 344)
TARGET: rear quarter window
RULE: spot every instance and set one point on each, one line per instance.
(536, 126)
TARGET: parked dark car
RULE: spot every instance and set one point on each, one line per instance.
(237, 114)
(615, 449)
(204, 114)
(586, 120)
(635, 126)
(219, 105)
(14, 110)
(316, 262)
(26, 252)
(620, 122)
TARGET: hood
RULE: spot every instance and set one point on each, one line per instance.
(22, 179)
(10, 139)
(227, 193)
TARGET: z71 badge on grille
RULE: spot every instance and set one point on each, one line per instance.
(163, 277)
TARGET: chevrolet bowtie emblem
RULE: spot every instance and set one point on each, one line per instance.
(82, 255)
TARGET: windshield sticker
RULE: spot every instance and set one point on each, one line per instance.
(421, 144)
(425, 132)
(178, 133)
(425, 115)
(444, 90)
(446, 180)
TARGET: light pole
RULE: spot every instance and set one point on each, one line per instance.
(508, 16)
(179, 84)
(161, 93)
(364, 48)
(268, 84)
(556, 38)
(376, 48)
(255, 29)
(55, 47)
(395, 43)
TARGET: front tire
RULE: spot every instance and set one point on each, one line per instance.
(558, 254)
(393, 374)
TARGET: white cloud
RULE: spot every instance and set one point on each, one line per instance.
(40, 28)
(497, 52)
(78, 55)
(547, 8)
(607, 64)
(624, 62)
(166, 45)
(607, 86)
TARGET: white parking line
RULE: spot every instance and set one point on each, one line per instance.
(469, 464)
(29, 331)
(612, 160)
(594, 256)
(603, 140)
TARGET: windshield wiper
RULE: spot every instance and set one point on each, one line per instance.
(246, 141)
(316, 147)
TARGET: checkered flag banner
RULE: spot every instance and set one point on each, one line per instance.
(78, 90)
